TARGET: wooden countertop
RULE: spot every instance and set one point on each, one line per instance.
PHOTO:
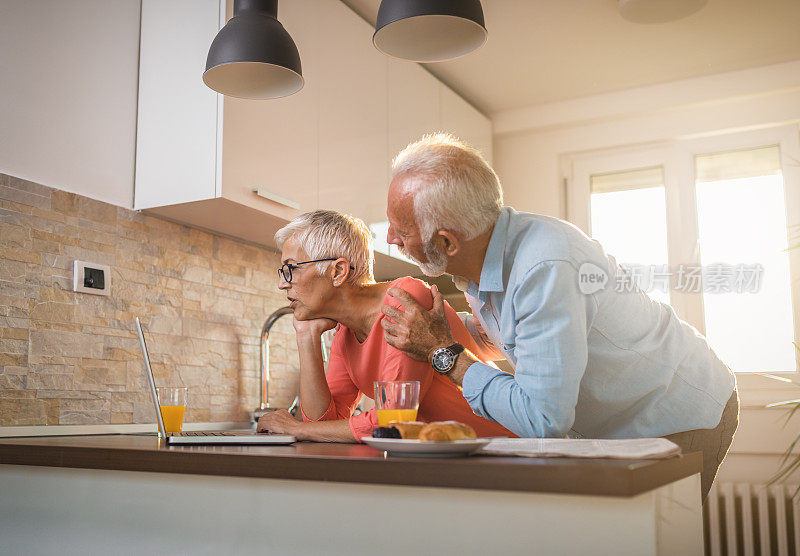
(351, 463)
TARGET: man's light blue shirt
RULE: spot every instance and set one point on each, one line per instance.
(606, 364)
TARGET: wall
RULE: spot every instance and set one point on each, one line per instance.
(531, 144)
(68, 110)
(73, 358)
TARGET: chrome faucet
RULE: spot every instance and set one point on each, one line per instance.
(264, 353)
(264, 406)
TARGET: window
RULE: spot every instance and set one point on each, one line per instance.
(379, 232)
(629, 219)
(741, 215)
(717, 213)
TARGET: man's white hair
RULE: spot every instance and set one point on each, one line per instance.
(460, 191)
(324, 234)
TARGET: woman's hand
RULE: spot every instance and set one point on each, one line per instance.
(313, 327)
(280, 422)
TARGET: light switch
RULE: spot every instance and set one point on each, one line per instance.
(91, 278)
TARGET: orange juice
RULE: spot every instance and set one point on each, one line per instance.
(172, 415)
(386, 416)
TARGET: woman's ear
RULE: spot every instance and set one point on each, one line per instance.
(447, 242)
(339, 271)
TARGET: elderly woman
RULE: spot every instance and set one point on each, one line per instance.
(327, 277)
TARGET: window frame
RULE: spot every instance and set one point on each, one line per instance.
(677, 158)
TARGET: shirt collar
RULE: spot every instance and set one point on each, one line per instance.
(461, 283)
(492, 271)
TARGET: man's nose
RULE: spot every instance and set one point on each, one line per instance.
(392, 238)
(283, 284)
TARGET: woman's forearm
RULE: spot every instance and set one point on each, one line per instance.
(282, 422)
(315, 396)
(326, 431)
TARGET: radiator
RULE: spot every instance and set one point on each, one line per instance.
(749, 520)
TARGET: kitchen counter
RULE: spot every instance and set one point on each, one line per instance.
(352, 463)
(131, 494)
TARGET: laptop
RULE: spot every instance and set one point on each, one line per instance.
(204, 437)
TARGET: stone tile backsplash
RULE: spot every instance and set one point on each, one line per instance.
(73, 358)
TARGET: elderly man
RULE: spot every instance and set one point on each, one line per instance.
(588, 361)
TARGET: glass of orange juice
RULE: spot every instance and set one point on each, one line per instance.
(396, 400)
(172, 403)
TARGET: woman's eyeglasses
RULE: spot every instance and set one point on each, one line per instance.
(285, 271)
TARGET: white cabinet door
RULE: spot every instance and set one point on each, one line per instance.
(413, 105)
(200, 155)
(273, 144)
(353, 151)
(465, 122)
(176, 138)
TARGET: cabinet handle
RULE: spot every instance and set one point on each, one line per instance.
(275, 198)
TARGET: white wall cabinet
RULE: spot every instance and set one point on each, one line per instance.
(352, 115)
(463, 120)
(420, 104)
(200, 155)
(273, 144)
(414, 105)
(176, 135)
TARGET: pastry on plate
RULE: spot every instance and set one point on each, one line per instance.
(446, 430)
(406, 430)
(409, 430)
(438, 431)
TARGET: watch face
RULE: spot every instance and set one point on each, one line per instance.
(442, 359)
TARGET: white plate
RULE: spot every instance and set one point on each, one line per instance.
(426, 448)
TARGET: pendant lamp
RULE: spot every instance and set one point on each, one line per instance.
(429, 30)
(253, 56)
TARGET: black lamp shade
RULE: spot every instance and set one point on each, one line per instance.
(429, 30)
(253, 56)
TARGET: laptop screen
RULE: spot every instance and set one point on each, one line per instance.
(161, 430)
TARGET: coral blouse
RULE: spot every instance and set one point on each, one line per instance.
(353, 367)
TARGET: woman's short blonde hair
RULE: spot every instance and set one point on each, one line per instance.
(324, 234)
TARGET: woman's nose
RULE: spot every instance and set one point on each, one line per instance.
(283, 284)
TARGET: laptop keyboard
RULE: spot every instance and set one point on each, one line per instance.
(205, 433)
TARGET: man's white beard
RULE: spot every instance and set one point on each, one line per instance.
(437, 261)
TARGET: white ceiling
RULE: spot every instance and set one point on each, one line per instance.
(542, 51)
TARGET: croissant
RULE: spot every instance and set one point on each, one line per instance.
(409, 430)
(446, 430)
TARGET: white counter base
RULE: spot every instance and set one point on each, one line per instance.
(48, 510)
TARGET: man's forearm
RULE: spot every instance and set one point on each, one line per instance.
(465, 359)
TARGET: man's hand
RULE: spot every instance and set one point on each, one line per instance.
(416, 331)
(313, 327)
(281, 422)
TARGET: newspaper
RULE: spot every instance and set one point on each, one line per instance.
(629, 448)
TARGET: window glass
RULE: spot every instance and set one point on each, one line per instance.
(741, 215)
(628, 217)
(379, 232)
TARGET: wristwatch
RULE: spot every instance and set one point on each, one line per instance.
(444, 358)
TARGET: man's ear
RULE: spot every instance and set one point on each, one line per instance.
(447, 242)
(339, 271)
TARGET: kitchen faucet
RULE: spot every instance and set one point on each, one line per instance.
(264, 358)
(264, 406)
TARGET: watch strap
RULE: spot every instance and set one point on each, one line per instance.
(456, 348)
